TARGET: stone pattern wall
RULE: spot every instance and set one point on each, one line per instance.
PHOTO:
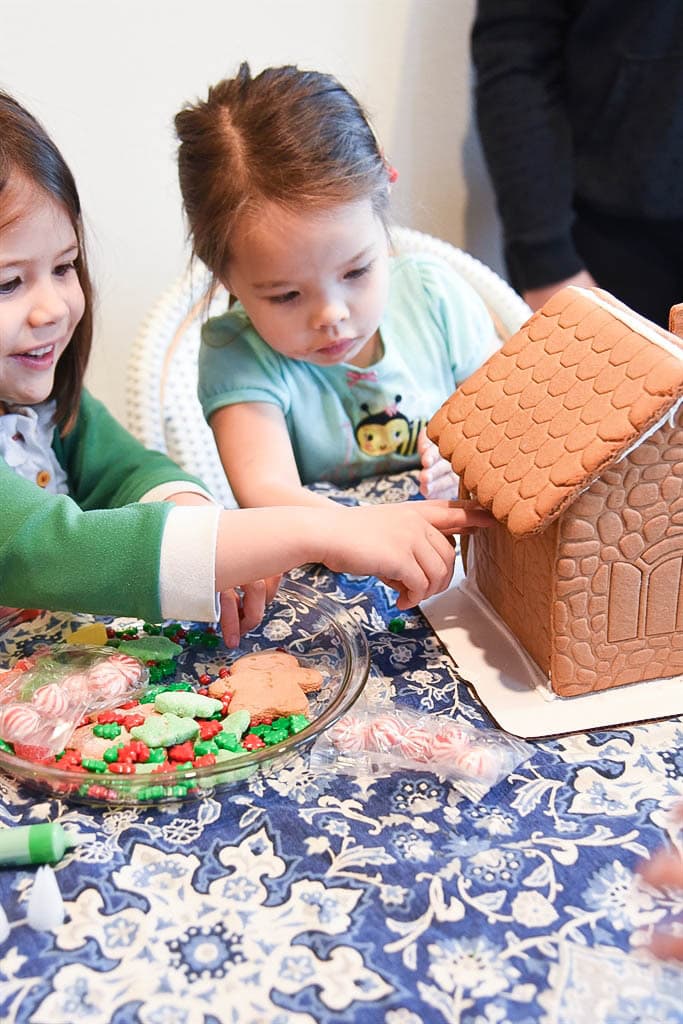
(618, 604)
(516, 577)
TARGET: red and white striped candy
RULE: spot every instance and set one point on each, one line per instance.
(449, 743)
(417, 744)
(52, 700)
(76, 686)
(19, 723)
(478, 763)
(349, 733)
(385, 733)
(111, 678)
(129, 667)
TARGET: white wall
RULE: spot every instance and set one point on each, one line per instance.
(107, 76)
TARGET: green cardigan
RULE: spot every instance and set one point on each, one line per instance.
(95, 550)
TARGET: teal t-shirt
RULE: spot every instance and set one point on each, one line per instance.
(344, 422)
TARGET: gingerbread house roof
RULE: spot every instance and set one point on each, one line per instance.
(583, 381)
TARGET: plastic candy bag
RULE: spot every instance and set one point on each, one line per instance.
(383, 737)
(44, 697)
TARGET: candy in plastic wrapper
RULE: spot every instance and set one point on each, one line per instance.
(44, 697)
(382, 737)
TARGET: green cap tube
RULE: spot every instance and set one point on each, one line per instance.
(35, 844)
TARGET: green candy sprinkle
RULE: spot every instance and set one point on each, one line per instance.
(107, 730)
(275, 736)
(227, 741)
(205, 747)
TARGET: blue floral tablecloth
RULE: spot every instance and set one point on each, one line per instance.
(306, 898)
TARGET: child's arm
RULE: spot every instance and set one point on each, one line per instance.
(257, 456)
(405, 544)
(159, 561)
(241, 609)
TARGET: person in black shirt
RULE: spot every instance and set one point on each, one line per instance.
(580, 111)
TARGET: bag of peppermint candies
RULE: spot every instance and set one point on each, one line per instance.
(44, 697)
(382, 737)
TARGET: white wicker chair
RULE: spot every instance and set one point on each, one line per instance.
(162, 408)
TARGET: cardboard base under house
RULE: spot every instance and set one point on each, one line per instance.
(512, 687)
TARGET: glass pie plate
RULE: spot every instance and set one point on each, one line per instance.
(316, 629)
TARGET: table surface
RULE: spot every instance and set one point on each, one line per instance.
(304, 898)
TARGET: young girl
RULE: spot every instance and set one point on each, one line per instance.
(336, 354)
(90, 520)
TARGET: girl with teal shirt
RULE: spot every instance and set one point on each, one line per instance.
(336, 353)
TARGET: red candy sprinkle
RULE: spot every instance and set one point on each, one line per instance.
(110, 718)
(203, 691)
(101, 793)
(134, 751)
(71, 757)
(140, 749)
(129, 704)
(223, 672)
(121, 767)
(204, 679)
(163, 766)
(182, 751)
(130, 721)
(204, 759)
(252, 742)
(207, 729)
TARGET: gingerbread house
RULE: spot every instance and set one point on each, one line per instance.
(571, 434)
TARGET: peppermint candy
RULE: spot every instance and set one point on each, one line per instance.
(349, 733)
(385, 733)
(19, 723)
(416, 744)
(114, 676)
(52, 700)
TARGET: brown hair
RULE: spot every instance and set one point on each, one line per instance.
(27, 152)
(296, 138)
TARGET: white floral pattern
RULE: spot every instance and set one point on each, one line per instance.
(299, 898)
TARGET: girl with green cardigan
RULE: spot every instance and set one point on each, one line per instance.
(89, 519)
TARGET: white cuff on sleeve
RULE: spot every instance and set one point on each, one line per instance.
(187, 571)
(164, 491)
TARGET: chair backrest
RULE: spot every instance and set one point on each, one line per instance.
(162, 408)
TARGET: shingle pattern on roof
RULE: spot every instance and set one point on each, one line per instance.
(564, 398)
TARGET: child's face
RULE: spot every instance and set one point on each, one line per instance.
(314, 284)
(41, 300)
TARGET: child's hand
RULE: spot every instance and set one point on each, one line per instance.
(242, 608)
(437, 479)
(665, 871)
(406, 545)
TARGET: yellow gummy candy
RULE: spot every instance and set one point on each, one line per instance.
(91, 633)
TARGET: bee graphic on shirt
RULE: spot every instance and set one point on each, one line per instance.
(387, 431)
